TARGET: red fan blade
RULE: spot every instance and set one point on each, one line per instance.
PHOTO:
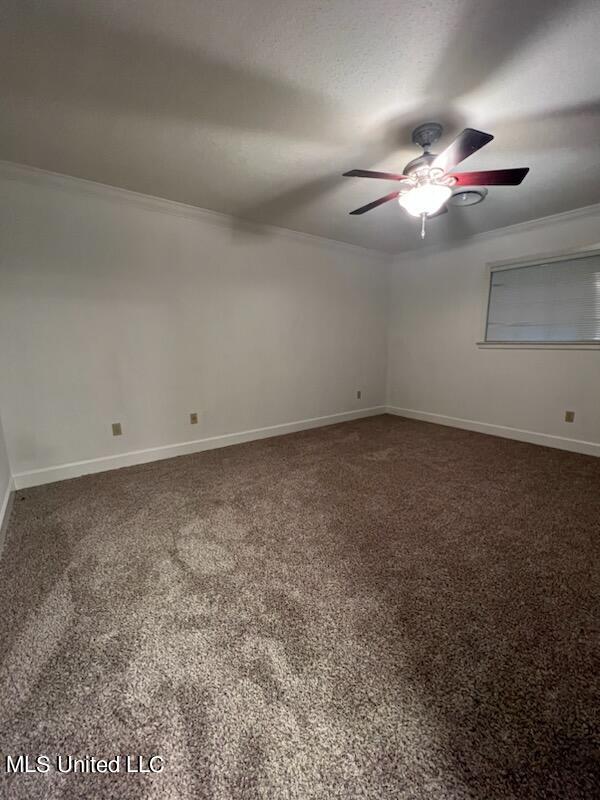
(366, 173)
(466, 143)
(491, 177)
(375, 203)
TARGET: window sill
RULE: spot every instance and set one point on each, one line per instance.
(538, 345)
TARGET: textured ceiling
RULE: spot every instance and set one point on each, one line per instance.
(256, 107)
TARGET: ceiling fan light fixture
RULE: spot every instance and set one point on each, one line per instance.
(425, 199)
(428, 182)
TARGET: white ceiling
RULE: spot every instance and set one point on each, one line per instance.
(256, 107)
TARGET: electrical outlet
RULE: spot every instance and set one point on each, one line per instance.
(116, 429)
(569, 416)
(358, 394)
(193, 418)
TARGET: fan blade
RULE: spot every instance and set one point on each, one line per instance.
(375, 203)
(443, 210)
(462, 147)
(491, 177)
(366, 173)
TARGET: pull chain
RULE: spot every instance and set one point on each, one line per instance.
(423, 218)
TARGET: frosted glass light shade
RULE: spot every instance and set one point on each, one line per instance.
(425, 199)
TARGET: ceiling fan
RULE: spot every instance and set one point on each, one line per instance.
(427, 180)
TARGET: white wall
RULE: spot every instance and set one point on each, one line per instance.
(115, 307)
(438, 300)
(118, 308)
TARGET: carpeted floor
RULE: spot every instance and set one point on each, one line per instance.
(378, 609)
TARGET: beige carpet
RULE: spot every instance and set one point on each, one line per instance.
(378, 609)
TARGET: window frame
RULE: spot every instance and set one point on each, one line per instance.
(531, 261)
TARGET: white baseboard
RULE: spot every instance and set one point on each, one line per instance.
(533, 437)
(37, 477)
(5, 507)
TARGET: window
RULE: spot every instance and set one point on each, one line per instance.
(554, 301)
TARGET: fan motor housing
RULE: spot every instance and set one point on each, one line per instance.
(427, 134)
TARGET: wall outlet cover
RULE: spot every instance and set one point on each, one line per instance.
(569, 416)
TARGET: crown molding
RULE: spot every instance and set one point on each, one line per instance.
(507, 230)
(25, 173)
(10, 170)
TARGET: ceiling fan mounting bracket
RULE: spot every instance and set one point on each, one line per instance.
(427, 134)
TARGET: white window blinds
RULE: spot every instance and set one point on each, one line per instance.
(554, 302)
